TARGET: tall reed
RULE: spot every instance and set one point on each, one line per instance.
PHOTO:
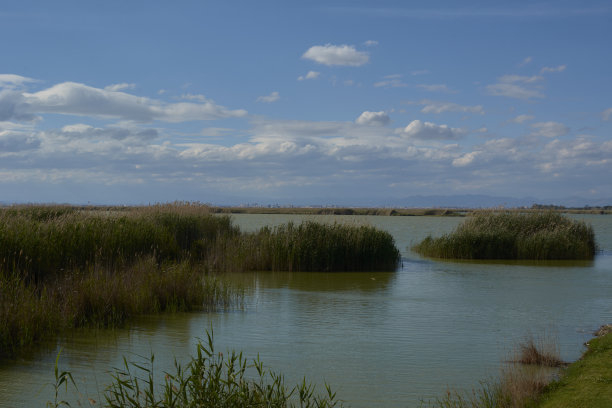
(312, 246)
(514, 235)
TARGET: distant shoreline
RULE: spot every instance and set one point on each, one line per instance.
(333, 210)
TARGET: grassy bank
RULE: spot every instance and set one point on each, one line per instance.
(585, 383)
(64, 267)
(513, 235)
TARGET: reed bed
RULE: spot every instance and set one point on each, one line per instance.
(514, 235)
(100, 297)
(63, 267)
(312, 246)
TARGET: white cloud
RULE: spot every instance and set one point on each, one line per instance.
(430, 131)
(436, 88)
(549, 129)
(273, 97)
(419, 72)
(559, 68)
(345, 55)
(370, 43)
(441, 107)
(510, 79)
(516, 86)
(373, 118)
(11, 141)
(466, 159)
(522, 118)
(607, 114)
(526, 61)
(309, 75)
(119, 87)
(391, 81)
(70, 98)
(11, 81)
(513, 91)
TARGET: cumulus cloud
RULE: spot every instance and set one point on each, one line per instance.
(119, 87)
(70, 98)
(370, 43)
(549, 129)
(343, 55)
(309, 75)
(430, 131)
(273, 97)
(373, 118)
(607, 114)
(559, 68)
(441, 107)
(522, 118)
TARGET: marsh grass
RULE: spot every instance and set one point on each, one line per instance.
(514, 235)
(542, 351)
(210, 379)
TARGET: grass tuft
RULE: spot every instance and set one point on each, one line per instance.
(210, 379)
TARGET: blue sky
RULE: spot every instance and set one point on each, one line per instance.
(319, 102)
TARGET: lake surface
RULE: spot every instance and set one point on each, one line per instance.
(379, 339)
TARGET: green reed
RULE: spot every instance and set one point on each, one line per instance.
(210, 379)
(312, 246)
(514, 235)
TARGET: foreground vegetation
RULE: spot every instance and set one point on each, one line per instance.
(528, 382)
(63, 267)
(514, 235)
(209, 380)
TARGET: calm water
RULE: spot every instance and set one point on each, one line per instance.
(379, 339)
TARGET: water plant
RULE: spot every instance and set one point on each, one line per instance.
(513, 235)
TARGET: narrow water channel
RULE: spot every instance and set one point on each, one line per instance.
(379, 339)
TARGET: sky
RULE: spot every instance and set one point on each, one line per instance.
(304, 102)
